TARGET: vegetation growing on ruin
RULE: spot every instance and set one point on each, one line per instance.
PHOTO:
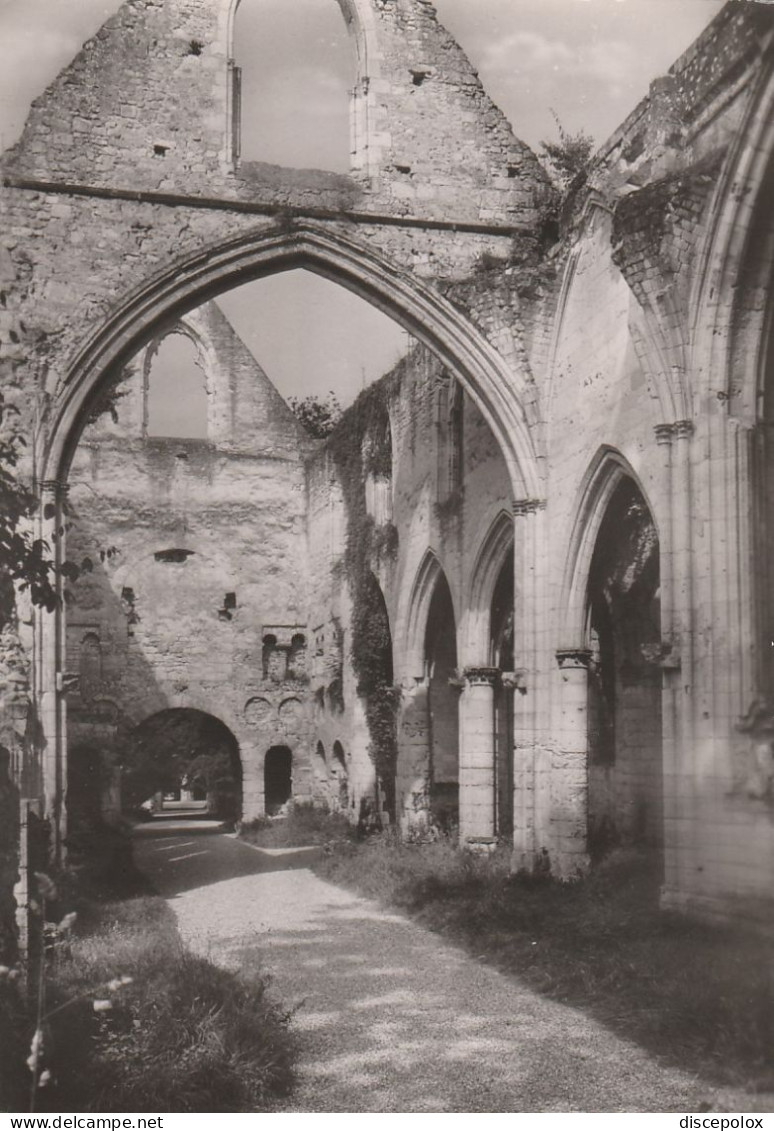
(136, 1022)
(27, 562)
(693, 995)
(304, 826)
(361, 446)
(567, 157)
(319, 415)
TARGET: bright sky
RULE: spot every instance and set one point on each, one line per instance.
(588, 60)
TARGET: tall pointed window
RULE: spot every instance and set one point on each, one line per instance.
(292, 74)
(176, 402)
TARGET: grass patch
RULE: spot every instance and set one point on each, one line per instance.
(303, 826)
(695, 995)
(182, 1036)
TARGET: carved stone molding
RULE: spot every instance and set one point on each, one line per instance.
(665, 654)
(482, 677)
(515, 680)
(522, 507)
(664, 433)
(573, 658)
(54, 487)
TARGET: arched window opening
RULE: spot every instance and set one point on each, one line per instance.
(272, 659)
(377, 464)
(176, 398)
(624, 704)
(277, 779)
(450, 417)
(340, 777)
(501, 636)
(293, 73)
(443, 708)
(297, 657)
(320, 790)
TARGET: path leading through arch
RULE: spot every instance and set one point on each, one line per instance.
(390, 1018)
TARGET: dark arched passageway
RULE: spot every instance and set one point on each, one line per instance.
(183, 749)
(624, 710)
(443, 706)
(277, 778)
(501, 636)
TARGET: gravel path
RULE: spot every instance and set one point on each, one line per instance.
(389, 1017)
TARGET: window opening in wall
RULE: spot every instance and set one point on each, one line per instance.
(173, 557)
(176, 397)
(293, 70)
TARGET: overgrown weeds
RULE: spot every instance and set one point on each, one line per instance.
(137, 1023)
(695, 995)
(304, 825)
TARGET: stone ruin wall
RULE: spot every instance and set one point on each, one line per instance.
(629, 264)
(196, 561)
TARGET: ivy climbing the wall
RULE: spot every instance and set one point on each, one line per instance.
(361, 447)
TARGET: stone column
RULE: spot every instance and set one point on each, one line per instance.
(412, 785)
(477, 755)
(569, 779)
(49, 672)
(530, 757)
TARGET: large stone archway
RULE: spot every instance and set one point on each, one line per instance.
(171, 294)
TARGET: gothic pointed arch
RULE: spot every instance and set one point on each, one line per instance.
(421, 594)
(500, 394)
(606, 471)
(492, 553)
(729, 313)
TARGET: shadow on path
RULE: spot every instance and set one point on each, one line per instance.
(391, 1018)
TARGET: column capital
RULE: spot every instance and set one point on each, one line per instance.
(56, 487)
(664, 433)
(523, 507)
(569, 658)
(515, 680)
(683, 429)
(481, 677)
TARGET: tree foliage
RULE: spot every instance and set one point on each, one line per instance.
(319, 415)
(179, 747)
(25, 561)
(569, 156)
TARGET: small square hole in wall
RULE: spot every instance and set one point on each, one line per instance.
(160, 150)
(173, 557)
(403, 168)
(229, 601)
(195, 47)
(513, 171)
(418, 77)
